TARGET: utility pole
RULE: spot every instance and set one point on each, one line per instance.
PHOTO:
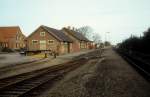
(106, 36)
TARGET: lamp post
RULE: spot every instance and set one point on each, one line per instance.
(106, 36)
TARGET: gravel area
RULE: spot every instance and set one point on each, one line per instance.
(10, 59)
(12, 69)
(108, 77)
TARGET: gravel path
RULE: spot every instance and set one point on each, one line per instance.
(111, 77)
(10, 59)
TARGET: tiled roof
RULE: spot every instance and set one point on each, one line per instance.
(8, 32)
(58, 34)
(76, 34)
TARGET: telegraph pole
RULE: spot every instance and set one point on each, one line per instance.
(106, 36)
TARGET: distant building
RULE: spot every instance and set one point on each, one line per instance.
(91, 45)
(46, 38)
(79, 41)
(11, 37)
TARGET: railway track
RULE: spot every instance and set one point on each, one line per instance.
(26, 85)
(141, 66)
(33, 83)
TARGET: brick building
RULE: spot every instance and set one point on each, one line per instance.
(79, 41)
(11, 37)
(46, 38)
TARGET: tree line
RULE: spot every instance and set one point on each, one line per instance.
(139, 44)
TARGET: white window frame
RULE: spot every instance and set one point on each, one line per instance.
(82, 45)
(42, 33)
(65, 43)
(50, 42)
(36, 41)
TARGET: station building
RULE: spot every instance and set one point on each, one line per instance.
(47, 38)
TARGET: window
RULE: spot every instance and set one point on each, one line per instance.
(34, 41)
(82, 45)
(42, 33)
(65, 44)
(50, 41)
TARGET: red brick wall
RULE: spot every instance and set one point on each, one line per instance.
(13, 41)
(36, 36)
(75, 47)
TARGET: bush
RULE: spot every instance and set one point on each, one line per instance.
(138, 44)
(7, 50)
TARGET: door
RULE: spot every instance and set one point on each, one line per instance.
(42, 44)
(66, 47)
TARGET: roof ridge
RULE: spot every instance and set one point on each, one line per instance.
(58, 34)
(77, 35)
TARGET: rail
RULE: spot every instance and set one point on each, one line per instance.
(33, 83)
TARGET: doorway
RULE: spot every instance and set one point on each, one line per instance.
(42, 44)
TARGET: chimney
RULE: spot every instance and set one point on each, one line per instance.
(73, 28)
(69, 27)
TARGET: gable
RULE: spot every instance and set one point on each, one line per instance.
(58, 34)
(36, 35)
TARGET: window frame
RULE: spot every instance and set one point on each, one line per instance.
(82, 45)
(42, 33)
(52, 42)
(34, 41)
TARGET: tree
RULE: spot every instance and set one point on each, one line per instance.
(138, 44)
(96, 38)
(107, 43)
(86, 31)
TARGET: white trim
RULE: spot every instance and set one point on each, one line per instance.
(34, 41)
(42, 33)
(50, 42)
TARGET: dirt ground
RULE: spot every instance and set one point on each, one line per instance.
(110, 76)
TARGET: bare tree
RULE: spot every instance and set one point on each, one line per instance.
(87, 31)
(96, 38)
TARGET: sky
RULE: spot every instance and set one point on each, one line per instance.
(119, 17)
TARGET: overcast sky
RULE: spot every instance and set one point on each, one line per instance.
(119, 17)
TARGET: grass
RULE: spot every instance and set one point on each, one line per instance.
(40, 55)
